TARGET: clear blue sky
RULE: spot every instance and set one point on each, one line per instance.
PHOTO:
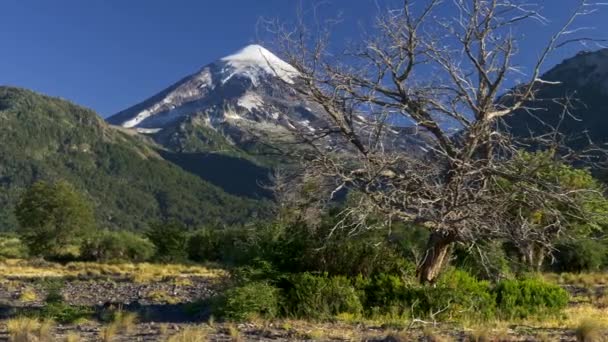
(110, 54)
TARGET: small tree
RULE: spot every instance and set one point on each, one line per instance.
(171, 241)
(53, 217)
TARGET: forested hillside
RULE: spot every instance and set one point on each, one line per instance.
(127, 180)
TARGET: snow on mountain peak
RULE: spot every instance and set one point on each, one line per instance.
(255, 58)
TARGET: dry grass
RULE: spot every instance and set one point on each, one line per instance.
(162, 296)
(579, 279)
(23, 329)
(432, 335)
(234, 333)
(28, 295)
(108, 332)
(191, 334)
(163, 329)
(591, 330)
(143, 272)
(125, 321)
(72, 337)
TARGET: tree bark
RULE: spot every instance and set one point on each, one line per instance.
(436, 255)
(533, 257)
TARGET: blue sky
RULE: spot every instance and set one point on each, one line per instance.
(110, 54)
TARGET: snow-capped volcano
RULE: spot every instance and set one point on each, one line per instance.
(227, 100)
(255, 61)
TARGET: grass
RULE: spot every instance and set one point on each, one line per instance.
(125, 321)
(25, 329)
(234, 333)
(142, 272)
(108, 332)
(579, 279)
(72, 337)
(28, 295)
(590, 330)
(162, 296)
(191, 334)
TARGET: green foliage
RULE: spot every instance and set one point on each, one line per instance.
(118, 246)
(56, 309)
(171, 241)
(529, 297)
(53, 217)
(11, 247)
(45, 138)
(64, 313)
(580, 256)
(205, 245)
(456, 294)
(384, 294)
(321, 297)
(255, 299)
(298, 247)
(487, 260)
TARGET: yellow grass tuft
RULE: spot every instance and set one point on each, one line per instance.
(234, 333)
(24, 329)
(162, 296)
(590, 331)
(191, 334)
(72, 337)
(108, 332)
(28, 295)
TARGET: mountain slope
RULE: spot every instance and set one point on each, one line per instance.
(584, 79)
(128, 181)
(227, 107)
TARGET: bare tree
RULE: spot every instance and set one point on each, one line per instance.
(435, 66)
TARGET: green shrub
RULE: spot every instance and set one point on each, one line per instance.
(11, 247)
(118, 246)
(64, 313)
(171, 241)
(488, 260)
(259, 270)
(383, 294)
(205, 245)
(321, 297)
(529, 297)
(583, 255)
(55, 308)
(456, 294)
(247, 301)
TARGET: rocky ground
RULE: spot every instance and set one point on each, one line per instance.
(287, 331)
(165, 306)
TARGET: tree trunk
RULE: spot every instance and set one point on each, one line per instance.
(533, 257)
(437, 251)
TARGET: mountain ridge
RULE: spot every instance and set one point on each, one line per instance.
(129, 182)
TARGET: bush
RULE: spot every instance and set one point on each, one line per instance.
(456, 294)
(384, 293)
(118, 246)
(529, 297)
(247, 301)
(11, 247)
(580, 256)
(64, 313)
(171, 241)
(205, 245)
(489, 260)
(321, 297)
(55, 308)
